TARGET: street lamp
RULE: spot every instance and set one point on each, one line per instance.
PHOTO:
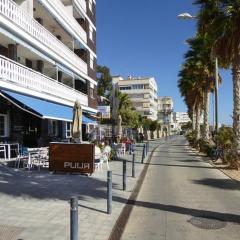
(189, 16)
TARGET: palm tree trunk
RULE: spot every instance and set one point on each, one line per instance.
(206, 115)
(194, 118)
(198, 122)
(236, 103)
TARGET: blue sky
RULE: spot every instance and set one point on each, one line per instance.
(144, 38)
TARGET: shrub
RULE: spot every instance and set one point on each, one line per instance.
(192, 138)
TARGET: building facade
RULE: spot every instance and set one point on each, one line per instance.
(142, 92)
(180, 119)
(165, 114)
(47, 62)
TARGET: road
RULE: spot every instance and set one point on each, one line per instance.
(183, 197)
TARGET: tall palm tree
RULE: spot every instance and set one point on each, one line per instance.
(222, 23)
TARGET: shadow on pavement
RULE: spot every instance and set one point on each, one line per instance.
(43, 185)
(183, 166)
(226, 217)
(227, 184)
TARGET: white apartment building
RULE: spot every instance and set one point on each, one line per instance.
(47, 62)
(142, 92)
(165, 113)
(180, 119)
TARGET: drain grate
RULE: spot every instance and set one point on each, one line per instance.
(9, 232)
(207, 222)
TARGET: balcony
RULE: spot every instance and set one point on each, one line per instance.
(23, 25)
(81, 4)
(14, 76)
(58, 9)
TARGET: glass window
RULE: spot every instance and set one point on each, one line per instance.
(53, 128)
(68, 129)
(3, 125)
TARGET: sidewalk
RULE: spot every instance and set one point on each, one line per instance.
(34, 205)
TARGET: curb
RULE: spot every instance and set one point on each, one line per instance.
(121, 222)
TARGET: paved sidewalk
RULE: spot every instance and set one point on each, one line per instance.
(34, 205)
(193, 200)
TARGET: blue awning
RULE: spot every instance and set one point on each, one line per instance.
(43, 109)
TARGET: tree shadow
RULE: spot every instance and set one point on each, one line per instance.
(226, 217)
(227, 184)
(44, 185)
(181, 166)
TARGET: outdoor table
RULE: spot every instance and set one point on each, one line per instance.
(9, 147)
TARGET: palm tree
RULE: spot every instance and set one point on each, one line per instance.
(222, 23)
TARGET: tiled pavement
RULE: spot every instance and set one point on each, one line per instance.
(34, 205)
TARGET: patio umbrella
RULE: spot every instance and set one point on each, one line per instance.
(77, 122)
(119, 125)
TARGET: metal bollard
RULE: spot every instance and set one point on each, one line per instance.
(124, 174)
(109, 192)
(133, 165)
(146, 149)
(143, 153)
(74, 218)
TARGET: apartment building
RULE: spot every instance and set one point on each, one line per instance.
(182, 118)
(142, 92)
(47, 62)
(165, 113)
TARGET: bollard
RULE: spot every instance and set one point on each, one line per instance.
(143, 153)
(74, 218)
(109, 192)
(145, 149)
(124, 174)
(133, 165)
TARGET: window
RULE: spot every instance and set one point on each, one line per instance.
(137, 86)
(53, 128)
(3, 125)
(91, 61)
(125, 88)
(68, 129)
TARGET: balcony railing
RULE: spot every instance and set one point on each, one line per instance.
(68, 19)
(15, 76)
(30, 26)
(82, 4)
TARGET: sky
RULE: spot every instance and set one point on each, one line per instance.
(145, 38)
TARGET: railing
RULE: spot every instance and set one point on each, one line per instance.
(69, 19)
(82, 4)
(25, 22)
(21, 76)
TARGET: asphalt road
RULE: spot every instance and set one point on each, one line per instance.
(183, 197)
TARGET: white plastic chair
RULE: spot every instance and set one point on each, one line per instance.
(3, 149)
(122, 149)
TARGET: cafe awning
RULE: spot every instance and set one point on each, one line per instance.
(41, 108)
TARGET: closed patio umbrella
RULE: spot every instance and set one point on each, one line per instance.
(119, 125)
(77, 122)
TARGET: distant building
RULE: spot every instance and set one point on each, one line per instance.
(180, 119)
(142, 92)
(165, 113)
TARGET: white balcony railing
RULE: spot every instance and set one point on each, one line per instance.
(59, 10)
(30, 26)
(82, 4)
(14, 76)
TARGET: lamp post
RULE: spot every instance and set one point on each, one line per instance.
(187, 16)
